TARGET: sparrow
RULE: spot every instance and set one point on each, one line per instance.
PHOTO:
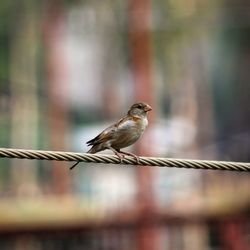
(123, 133)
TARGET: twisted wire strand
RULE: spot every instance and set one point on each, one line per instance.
(113, 159)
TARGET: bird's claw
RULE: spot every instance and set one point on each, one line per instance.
(120, 156)
(134, 156)
(137, 159)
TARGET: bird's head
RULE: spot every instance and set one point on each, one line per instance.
(139, 109)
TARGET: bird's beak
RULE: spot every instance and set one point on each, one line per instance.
(148, 108)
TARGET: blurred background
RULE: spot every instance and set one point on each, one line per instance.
(69, 68)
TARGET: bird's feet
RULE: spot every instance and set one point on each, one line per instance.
(130, 154)
(120, 156)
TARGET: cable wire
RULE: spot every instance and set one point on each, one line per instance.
(113, 159)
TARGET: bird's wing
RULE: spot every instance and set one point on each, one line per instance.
(108, 133)
(126, 122)
(103, 136)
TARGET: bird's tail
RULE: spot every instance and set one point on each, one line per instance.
(93, 150)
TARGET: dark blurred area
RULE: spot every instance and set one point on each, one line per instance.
(68, 69)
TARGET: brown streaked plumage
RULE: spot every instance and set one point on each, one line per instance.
(123, 133)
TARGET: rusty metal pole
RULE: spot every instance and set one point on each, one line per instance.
(139, 18)
(57, 73)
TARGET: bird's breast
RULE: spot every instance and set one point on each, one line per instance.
(144, 123)
(129, 132)
(135, 124)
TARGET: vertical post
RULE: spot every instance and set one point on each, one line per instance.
(57, 88)
(139, 12)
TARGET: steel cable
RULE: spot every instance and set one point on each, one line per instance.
(113, 159)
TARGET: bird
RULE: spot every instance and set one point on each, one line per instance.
(123, 133)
